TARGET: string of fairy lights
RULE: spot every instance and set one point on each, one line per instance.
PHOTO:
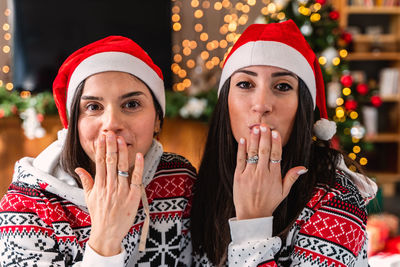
(6, 51)
(201, 50)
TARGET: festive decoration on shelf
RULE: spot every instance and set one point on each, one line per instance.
(30, 108)
(5, 44)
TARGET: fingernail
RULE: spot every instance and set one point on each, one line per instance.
(241, 141)
(110, 136)
(263, 129)
(302, 171)
(274, 134)
(78, 172)
(102, 138)
(256, 131)
(119, 140)
(138, 157)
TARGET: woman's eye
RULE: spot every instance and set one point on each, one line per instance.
(283, 87)
(244, 85)
(92, 107)
(131, 104)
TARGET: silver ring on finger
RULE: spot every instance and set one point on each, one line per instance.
(123, 173)
(252, 160)
(275, 160)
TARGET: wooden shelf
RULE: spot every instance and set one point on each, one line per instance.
(384, 177)
(383, 138)
(373, 10)
(368, 38)
(363, 56)
(388, 99)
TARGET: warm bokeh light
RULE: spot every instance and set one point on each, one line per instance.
(194, 3)
(6, 49)
(177, 26)
(281, 16)
(6, 26)
(363, 161)
(7, 36)
(204, 36)
(353, 115)
(185, 43)
(315, 17)
(352, 156)
(322, 60)
(187, 51)
(356, 149)
(7, 12)
(176, 9)
(190, 63)
(343, 53)
(187, 82)
(6, 69)
(339, 112)
(346, 91)
(177, 58)
(223, 43)
(204, 55)
(193, 44)
(336, 61)
(198, 27)
(198, 14)
(206, 4)
(25, 94)
(218, 6)
(245, 9)
(182, 73)
(175, 18)
(9, 86)
(339, 101)
(271, 8)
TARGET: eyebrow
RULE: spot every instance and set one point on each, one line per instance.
(89, 97)
(275, 74)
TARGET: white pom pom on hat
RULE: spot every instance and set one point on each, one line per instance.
(281, 45)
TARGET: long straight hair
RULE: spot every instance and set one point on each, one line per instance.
(213, 197)
(73, 155)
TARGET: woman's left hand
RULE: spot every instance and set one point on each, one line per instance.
(258, 188)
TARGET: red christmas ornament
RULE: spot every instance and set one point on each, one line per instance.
(334, 15)
(14, 109)
(362, 89)
(347, 37)
(351, 104)
(40, 117)
(376, 101)
(346, 80)
(322, 2)
(1, 113)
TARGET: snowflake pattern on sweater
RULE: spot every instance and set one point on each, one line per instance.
(330, 231)
(38, 228)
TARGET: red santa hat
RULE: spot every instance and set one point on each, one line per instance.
(113, 53)
(282, 45)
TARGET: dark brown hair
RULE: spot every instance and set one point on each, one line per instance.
(213, 199)
(73, 155)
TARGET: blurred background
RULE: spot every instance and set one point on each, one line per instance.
(357, 43)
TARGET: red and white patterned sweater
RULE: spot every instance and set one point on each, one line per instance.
(330, 231)
(41, 228)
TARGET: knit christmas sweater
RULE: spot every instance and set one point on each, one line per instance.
(44, 220)
(330, 231)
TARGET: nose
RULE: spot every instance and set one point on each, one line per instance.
(111, 121)
(263, 100)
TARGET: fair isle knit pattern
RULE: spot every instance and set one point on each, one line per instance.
(38, 228)
(330, 231)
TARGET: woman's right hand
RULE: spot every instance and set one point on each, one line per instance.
(112, 199)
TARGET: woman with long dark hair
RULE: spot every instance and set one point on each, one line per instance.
(78, 202)
(270, 189)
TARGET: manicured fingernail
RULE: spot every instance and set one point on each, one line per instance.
(79, 172)
(102, 138)
(138, 156)
(274, 134)
(263, 129)
(241, 141)
(119, 140)
(256, 131)
(110, 136)
(302, 171)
